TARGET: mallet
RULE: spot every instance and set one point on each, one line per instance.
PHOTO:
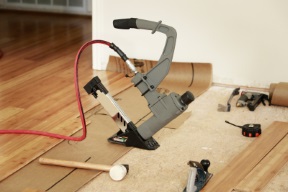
(116, 172)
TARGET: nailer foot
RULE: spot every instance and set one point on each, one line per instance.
(131, 138)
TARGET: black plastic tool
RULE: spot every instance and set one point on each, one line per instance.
(249, 130)
(227, 108)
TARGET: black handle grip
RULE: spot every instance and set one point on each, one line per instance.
(205, 164)
(125, 23)
(187, 98)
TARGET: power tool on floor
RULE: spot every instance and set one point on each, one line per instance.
(163, 107)
(251, 100)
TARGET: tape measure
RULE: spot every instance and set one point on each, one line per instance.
(249, 130)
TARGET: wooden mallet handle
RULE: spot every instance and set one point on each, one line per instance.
(116, 172)
(75, 164)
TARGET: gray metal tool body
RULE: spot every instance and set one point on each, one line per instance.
(164, 107)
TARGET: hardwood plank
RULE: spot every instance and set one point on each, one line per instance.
(36, 82)
(8, 112)
(28, 147)
(46, 121)
(38, 72)
(40, 38)
(260, 176)
(244, 162)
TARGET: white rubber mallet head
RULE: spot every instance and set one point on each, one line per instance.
(118, 172)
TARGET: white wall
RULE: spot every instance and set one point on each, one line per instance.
(246, 41)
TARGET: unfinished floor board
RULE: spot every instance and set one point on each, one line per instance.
(242, 164)
(261, 175)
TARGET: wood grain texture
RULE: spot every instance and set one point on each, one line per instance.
(74, 164)
(94, 149)
(260, 176)
(36, 82)
(243, 163)
(7, 112)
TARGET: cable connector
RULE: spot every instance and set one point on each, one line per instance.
(118, 51)
(123, 57)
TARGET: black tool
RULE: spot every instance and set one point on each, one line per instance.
(252, 100)
(249, 130)
(227, 108)
(202, 175)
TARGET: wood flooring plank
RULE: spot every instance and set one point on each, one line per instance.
(16, 157)
(39, 111)
(244, 162)
(40, 52)
(38, 72)
(47, 121)
(260, 176)
(8, 112)
(36, 82)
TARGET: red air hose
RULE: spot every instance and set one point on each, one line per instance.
(78, 98)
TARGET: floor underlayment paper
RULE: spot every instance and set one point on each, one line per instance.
(278, 93)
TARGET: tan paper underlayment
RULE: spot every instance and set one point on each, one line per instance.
(278, 94)
(195, 77)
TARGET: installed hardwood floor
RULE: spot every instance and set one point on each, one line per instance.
(36, 81)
